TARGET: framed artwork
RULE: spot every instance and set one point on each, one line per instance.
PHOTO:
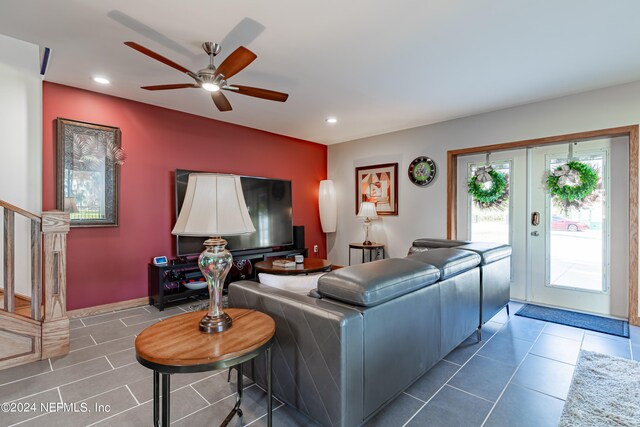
(88, 173)
(378, 184)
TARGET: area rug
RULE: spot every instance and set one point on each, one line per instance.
(578, 320)
(605, 391)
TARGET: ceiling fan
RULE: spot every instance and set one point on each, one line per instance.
(212, 78)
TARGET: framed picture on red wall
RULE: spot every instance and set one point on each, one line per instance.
(378, 184)
(88, 173)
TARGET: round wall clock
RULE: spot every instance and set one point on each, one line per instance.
(422, 170)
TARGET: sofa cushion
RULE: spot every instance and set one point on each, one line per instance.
(376, 282)
(490, 252)
(428, 242)
(301, 284)
(449, 261)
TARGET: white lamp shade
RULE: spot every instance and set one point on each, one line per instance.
(213, 206)
(368, 210)
(328, 206)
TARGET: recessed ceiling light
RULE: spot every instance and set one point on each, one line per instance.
(331, 120)
(101, 80)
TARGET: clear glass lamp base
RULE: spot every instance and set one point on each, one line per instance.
(367, 224)
(215, 263)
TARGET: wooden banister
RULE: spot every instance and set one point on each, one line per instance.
(10, 207)
(36, 271)
(49, 330)
(9, 261)
(55, 325)
(55, 226)
(10, 212)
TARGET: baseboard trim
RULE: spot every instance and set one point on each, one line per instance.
(107, 308)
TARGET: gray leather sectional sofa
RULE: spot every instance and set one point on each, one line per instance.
(370, 331)
(495, 271)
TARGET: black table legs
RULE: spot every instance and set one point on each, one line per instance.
(166, 393)
(236, 409)
(363, 249)
(156, 398)
(269, 390)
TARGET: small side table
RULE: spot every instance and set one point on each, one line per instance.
(364, 247)
(176, 345)
(310, 265)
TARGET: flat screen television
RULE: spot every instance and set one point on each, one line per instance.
(269, 204)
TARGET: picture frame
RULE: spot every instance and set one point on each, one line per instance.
(88, 172)
(378, 184)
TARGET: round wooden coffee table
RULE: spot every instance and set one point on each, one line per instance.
(176, 345)
(310, 265)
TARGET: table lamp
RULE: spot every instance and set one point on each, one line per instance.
(214, 206)
(368, 212)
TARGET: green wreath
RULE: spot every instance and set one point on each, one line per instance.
(588, 183)
(492, 196)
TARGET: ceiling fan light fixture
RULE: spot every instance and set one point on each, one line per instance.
(208, 80)
(211, 78)
(211, 87)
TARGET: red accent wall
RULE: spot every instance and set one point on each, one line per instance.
(106, 265)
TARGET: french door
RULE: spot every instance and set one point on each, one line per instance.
(562, 252)
(506, 224)
(572, 240)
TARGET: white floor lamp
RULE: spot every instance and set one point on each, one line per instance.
(328, 206)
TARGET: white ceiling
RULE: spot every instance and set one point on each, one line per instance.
(377, 65)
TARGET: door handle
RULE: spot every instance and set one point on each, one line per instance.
(535, 218)
(535, 233)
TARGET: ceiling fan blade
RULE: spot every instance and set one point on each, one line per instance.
(173, 86)
(158, 57)
(236, 62)
(271, 95)
(221, 101)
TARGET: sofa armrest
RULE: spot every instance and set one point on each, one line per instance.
(317, 354)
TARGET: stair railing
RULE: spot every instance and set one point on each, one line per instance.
(53, 226)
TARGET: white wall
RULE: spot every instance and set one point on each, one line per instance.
(20, 142)
(422, 211)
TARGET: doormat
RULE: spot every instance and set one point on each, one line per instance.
(577, 320)
(604, 392)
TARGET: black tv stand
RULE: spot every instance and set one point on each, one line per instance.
(166, 282)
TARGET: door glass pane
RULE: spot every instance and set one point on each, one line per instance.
(577, 233)
(490, 224)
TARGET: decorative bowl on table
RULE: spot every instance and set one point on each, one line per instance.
(195, 285)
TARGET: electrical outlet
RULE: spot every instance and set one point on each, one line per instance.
(315, 249)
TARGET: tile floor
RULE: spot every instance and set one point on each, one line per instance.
(519, 374)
